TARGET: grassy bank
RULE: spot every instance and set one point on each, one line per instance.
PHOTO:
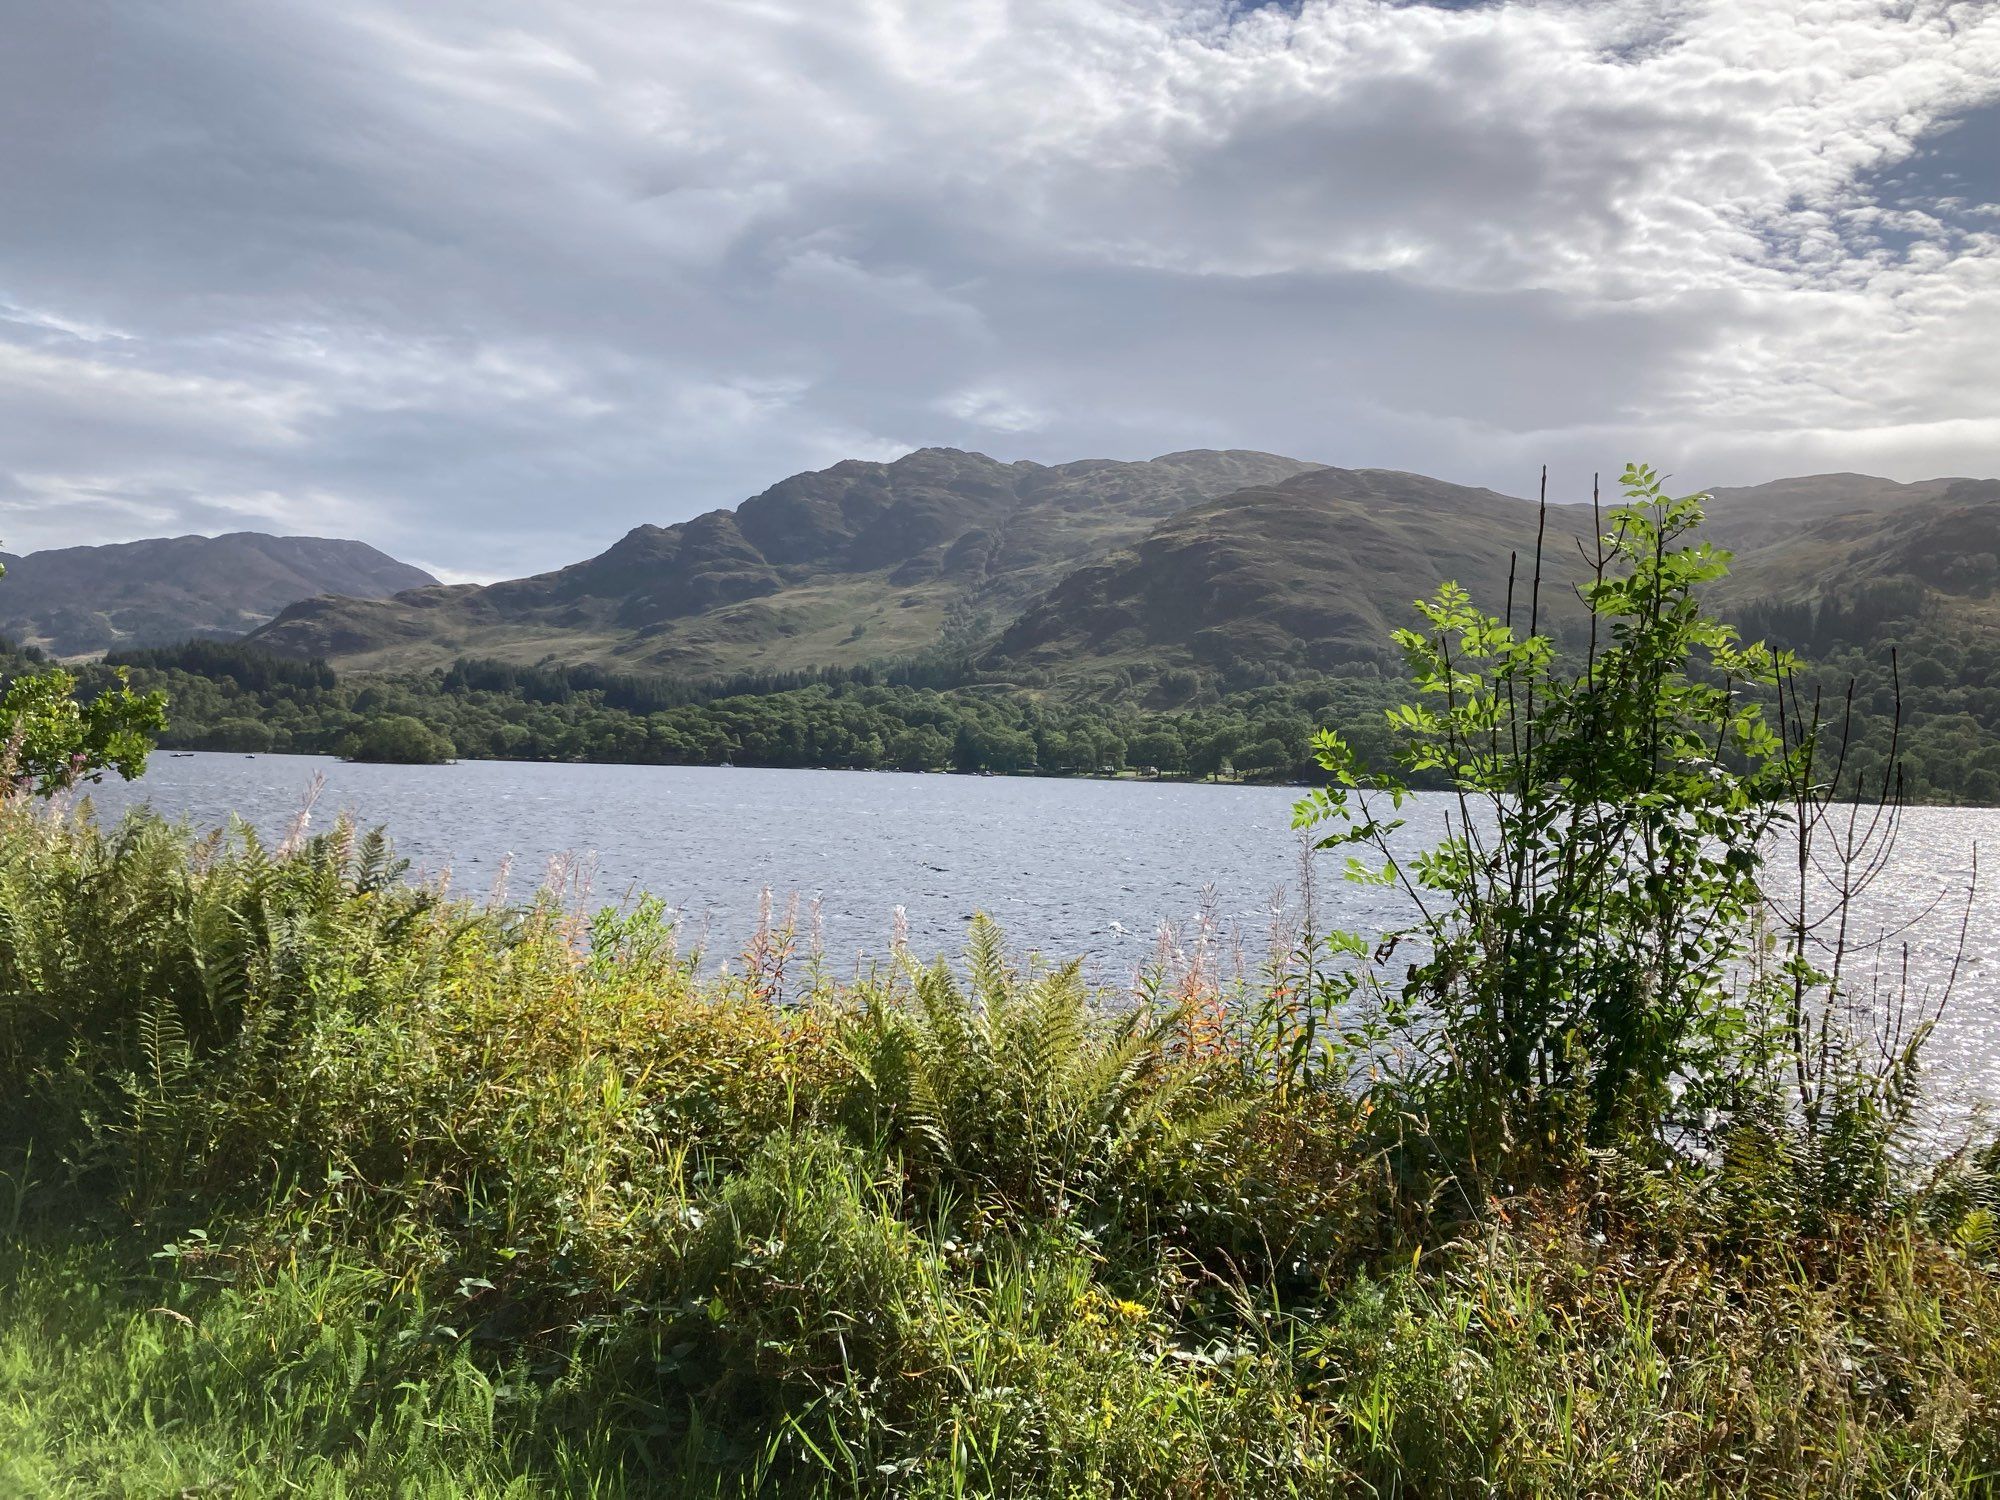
(320, 1182)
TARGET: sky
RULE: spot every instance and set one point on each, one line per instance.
(488, 282)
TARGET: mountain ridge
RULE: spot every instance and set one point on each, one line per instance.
(833, 566)
(77, 601)
(1311, 573)
(1233, 563)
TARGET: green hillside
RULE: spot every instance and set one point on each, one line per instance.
(1298, 577)
(1199, 610)
(856, 563)
(1192, 574)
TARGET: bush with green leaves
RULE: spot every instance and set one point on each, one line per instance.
(56, 739)
(1019, 1095)
(52, 738)
(310, 1178)
(1574, 981)
(399, 739)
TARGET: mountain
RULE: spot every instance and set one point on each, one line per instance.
(1840, 536)
(1231, 568)
(75, 601)
(1759, 516)
(1313, 573)
(859, 562)
(1310, 573)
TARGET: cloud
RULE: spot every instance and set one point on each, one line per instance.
(489, 281)
(995, 410)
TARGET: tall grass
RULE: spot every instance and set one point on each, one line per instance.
(319, 1182)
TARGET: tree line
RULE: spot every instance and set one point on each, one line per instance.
(233, 697)
(1934, 699)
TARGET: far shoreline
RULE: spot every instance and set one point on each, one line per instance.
(1163, 779)
(1132, 777)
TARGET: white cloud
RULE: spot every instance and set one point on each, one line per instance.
(499, 278)
(996, 410)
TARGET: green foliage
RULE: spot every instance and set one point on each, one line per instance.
(57, 739)
(1943, 734)
(1018, 1097)
(401, 739)
(54, 739)
(1600, 969)
(234, 697)
(314, 1182)
(246, 666)
(1578, 922)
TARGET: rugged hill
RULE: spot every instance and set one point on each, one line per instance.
(1839, 535)
(1829, 506)
(1104, 576)
(1313, 572)
(75, 601)
(1310, 573)
(854, 563)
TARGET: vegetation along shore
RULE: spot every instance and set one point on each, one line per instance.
(1601, 1177)
(936, 714)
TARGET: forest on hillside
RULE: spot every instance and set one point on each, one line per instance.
(1934, 696)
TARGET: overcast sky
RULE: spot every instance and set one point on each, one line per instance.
(488, 282)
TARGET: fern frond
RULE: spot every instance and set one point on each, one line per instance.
(986, 961)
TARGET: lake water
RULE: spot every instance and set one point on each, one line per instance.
(1068, 868)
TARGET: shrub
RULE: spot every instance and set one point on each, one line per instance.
(400, 739)
(1572, 988)
(1021, 1094)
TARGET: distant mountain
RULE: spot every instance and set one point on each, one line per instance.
(1838, 535)
(75, 601)
(1312, 574)
(860, 562)
(1307, 574)
(1139, 579)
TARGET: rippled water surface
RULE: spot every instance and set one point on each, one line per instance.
(1068, 867)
